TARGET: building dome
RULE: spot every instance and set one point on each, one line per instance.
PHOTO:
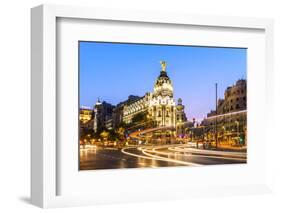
(179, 106)
(163, 85)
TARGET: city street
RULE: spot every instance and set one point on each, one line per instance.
(92, 157)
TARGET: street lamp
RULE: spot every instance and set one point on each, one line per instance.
(223, 136)
(216, 120)
(237, 123)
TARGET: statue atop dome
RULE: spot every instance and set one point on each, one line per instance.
(163, 65)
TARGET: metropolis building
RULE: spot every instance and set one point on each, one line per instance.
(159, 104)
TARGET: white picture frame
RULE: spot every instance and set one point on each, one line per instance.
(44, 150)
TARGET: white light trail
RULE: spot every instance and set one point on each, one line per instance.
(152, 153)
(155, 157)
(200, 156)
(168, 159)
(211, 152)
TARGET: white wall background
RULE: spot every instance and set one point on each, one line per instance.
(15, 104)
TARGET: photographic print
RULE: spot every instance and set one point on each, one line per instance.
(152, 105)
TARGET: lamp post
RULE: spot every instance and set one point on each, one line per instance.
(223, 136)
(237, 128)
(216, 120)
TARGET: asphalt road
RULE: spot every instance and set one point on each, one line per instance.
(93, 158)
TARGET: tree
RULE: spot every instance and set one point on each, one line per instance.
(140, 117)
(112, 135)
(120, 132)
(86, 134)
(104, 135)
(123, 124)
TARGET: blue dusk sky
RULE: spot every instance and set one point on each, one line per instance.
(113, 71)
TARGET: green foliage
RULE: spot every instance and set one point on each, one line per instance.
(123, 124)
(120, 133)
(111, 135)
(104, 135)
(86, 134)
(140, 117)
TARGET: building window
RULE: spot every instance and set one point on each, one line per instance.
(237, 106)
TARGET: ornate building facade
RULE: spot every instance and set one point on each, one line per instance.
(134, 106)
(159, 104)
(162, 107)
